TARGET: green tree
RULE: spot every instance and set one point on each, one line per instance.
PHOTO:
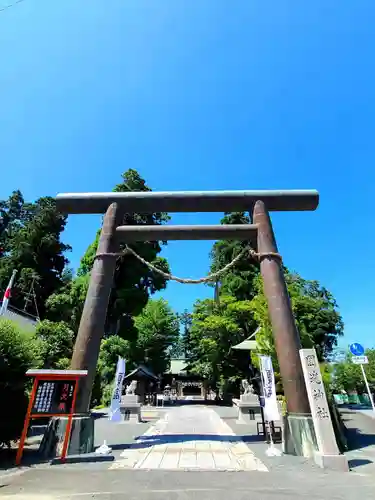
(56, 344)
(318, 321)
(347, 376)
(182, 346)
(110, 350)
(155, 331)
(14, 212)
(34, 248)
(67, 304)
(216, 328)
(370, 367)
(178, 349)
(18, 353)
(158, 331)
(134, 283)
(315, 310)
(218, 325)
(238, 281)
(314, 307)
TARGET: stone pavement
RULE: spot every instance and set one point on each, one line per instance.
(78, 483)
(288, 478)
(361, 440)
(190, 438)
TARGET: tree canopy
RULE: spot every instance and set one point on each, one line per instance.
(347, 376)
(19, 351)
(238, 281)
(216, 328)
(158, 330)
(241, 309)
(134, 282)
(30, 241)
(318, 320)
(56, 344)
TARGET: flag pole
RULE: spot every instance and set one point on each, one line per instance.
(4, 305)
(367, 387)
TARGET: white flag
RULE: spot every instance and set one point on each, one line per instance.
(114, 411)
(7, 294)
(271, 409)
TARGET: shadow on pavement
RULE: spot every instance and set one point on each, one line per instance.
(99, 414)
(360, 430)
(357, 439)
(358, 462)
(148, 441)
(30, 458)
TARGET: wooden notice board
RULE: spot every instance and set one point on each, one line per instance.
(54, 394)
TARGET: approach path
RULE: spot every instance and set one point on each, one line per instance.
(190, 438)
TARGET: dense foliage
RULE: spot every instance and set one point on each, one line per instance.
(318, 321)
(155, 332)
(57, 344)
(238, 282)
(347, 376)
(134, 283)
(158, 330)
(216, 328)
(18, 353)
(241, 309)
(30, 242)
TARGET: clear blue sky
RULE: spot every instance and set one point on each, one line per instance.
(203, 95)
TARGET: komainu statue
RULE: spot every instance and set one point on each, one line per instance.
(247, 388)
(130, 390)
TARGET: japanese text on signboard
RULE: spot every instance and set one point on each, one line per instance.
(268, 384)
(317, 388)
(118, 387)
(54, 397)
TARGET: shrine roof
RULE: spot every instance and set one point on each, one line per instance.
(178, 366)
(246, 345)
(142, 372)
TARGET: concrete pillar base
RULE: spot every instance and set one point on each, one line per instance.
(131, 413)
(332, 462)
(299, 435)
(81, 438)
(248, 414)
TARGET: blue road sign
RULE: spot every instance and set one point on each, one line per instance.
(357, 349)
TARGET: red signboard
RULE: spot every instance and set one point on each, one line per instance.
(54, 394)
(53, 397)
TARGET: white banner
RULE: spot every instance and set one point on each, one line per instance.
(271, 409)
(7, 294)
(114, 411)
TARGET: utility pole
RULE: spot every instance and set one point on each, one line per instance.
(31, 293)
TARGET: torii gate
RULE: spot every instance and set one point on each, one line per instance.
(259, 203)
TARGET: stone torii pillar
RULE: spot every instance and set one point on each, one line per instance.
(115, 204)
(91, 327)
(286, 335)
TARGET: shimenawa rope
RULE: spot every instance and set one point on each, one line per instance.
(212, 277)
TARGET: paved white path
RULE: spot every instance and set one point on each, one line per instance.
(190, 438)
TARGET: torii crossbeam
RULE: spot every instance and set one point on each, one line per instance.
(258, 203)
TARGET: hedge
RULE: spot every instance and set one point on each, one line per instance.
(18, 353)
